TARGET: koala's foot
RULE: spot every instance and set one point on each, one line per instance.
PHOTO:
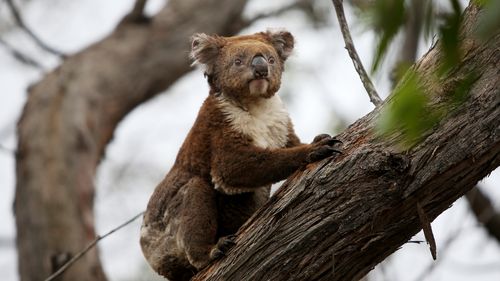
(324, 146)
(223, 245)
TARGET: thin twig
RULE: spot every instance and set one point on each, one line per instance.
(349, 45)
(23, 58)
(89, 247)
(138, 9)
(446, 245)
(296, 5)
(20, 22)
(136, 15)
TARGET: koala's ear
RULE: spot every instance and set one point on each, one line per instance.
(282, 41)
(205, 49)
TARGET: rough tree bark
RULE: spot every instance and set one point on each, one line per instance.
(337, 219)
(71, 114)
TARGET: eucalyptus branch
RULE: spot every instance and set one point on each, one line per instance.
(484, 211)
(18, 55)
(349, 45)
(296, 5)
(136, 15)
(20, 22)
(92, 244)
(139, 7)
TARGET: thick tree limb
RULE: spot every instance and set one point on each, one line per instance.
(71, 115)
(337, 219)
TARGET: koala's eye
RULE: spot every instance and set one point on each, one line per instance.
(271, 60)
(237, 62)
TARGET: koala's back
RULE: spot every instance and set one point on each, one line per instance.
(167, 206)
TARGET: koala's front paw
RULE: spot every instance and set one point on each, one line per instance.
(324, 146)
(223, 245)
(321, 137)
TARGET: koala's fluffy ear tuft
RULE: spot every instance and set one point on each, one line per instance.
(282, 41)
(205, 49)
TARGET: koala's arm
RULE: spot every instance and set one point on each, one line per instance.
(293, 139)
(246, 166)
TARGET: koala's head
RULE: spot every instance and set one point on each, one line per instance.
(243, 67)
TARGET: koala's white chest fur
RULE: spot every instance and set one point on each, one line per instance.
(265, 122)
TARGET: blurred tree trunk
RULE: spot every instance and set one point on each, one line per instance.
(339, 218)
(71, 115)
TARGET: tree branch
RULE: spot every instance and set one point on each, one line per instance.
(23, 58)
(349, 45)
(296, 5)
(137, 13)
(20, 22)
(91, 245)
(484, 211)
(139, 7)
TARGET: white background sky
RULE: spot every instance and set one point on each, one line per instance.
(320, 87)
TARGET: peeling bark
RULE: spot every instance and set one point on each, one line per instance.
(339, 218)
(71, 115)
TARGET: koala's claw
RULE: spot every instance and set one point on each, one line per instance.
(321, 137)
(223, 245)
(325, 147)
(326, 138)
(332, 142)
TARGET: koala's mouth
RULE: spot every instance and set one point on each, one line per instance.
(258, 79)
(258, 86)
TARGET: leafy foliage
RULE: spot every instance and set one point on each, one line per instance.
(409, 113)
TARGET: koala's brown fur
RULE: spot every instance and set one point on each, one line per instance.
(241, 143)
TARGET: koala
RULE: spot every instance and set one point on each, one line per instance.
(241, 142)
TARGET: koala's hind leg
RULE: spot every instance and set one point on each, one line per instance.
(198, 223)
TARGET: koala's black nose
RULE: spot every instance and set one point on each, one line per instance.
(259, 65)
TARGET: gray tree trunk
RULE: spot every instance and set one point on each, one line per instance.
(338, 218)
(71, 115)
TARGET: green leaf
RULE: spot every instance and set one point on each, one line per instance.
(407, 113)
